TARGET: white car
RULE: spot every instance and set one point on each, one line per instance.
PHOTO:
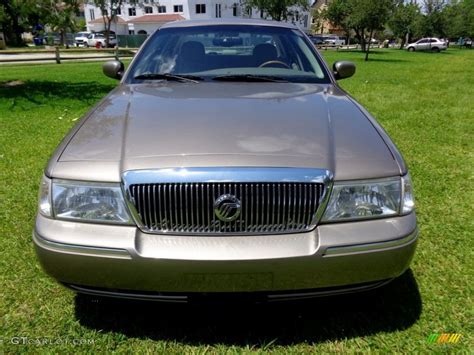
(98, 39)
(80, 39)
(428, 44)
(334, 41)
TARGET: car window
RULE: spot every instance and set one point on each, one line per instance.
(209, 51)
(433, 40)
(422, 41)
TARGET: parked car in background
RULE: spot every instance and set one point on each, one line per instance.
(334, 40)
(279, 184)
(317, 40)
(80, 39)
(374, 41)
(427, 44)
(98, 40)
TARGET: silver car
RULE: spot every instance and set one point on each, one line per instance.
(427, 44)
(226, 160)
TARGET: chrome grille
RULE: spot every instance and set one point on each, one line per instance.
(188, 208)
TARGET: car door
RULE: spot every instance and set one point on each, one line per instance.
(422, 44)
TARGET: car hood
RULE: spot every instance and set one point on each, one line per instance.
(163, 125)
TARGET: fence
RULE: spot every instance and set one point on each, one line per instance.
(133, 41)
(68, 54)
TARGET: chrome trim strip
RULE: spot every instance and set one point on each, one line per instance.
(324, 293)
(227, 175)
(360, 248)
(80, 249)
(127, 295)
(269, 296)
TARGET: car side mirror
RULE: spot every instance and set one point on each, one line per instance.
(343, 69)
(113, 69)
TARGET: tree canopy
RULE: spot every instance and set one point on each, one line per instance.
(277, 10)
(18, 16)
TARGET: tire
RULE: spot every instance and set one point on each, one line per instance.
(411, 49)
(435, 49)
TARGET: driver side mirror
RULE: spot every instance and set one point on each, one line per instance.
(113, 69)
(343, 69)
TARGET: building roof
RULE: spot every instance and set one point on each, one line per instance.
(156, 18)
(101, 20)
(228, 21)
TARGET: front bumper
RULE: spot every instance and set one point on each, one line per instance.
(123, 261)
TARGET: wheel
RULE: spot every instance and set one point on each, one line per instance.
(435, 49)
(411, 49)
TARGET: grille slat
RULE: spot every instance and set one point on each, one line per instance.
(188, 208)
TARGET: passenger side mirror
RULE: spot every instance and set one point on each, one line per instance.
(113, 69)
(343, 69)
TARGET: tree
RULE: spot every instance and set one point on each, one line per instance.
(460, 19)
(403, 20)
(434, 22)
(108, 8)
(60, 15)
(337, 13)
(362, 16)
(278, 10)
(319, 16)
(15, 16)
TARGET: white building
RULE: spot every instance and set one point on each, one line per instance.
(149, 15)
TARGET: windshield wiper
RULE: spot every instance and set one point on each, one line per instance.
(169, 76)
(250, 78)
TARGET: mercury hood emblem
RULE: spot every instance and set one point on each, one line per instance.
(227, 208)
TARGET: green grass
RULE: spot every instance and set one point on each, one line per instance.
(426, 103)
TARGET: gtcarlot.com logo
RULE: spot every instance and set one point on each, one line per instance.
(43, 341)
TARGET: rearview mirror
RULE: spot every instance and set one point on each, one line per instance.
(113, 69)
(343, 69)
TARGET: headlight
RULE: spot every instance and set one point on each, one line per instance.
(89, 201)
(369, 199)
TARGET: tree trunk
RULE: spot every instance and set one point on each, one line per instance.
(362, 40)
(61, 37)
(402, 42)
(368, 46)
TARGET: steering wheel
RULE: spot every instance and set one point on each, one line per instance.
(274, 62)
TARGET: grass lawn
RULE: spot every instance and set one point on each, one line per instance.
(426, 103)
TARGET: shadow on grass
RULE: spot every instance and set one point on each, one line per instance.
(393, 307)
(42, 92)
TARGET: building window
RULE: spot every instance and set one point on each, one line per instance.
(234, 10)
(218, 10)
(178, 8)
(132, 11)
(148, 10)
(131, 32)
(92, 13)
(161, 9)
(118, 11)
(200, 8)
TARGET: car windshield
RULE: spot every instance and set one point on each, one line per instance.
(233, 51)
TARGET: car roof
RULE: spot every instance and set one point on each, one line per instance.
(227, 21)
